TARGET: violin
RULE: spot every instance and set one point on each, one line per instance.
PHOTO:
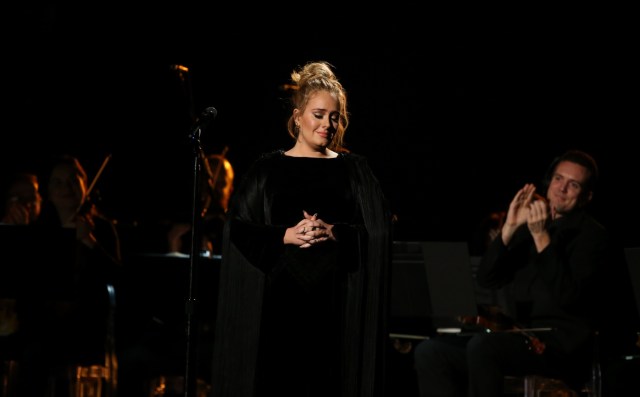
(489, 317)
(493, 319)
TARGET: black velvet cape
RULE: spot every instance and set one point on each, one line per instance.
(247, 261)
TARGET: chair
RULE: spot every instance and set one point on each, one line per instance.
(540, 386)
(537, 386)
(602, 374)
(95, 380)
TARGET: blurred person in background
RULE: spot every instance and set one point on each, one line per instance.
(22, 199)
(66, 327)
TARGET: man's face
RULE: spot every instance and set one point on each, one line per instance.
(566, 187)
(26, 193)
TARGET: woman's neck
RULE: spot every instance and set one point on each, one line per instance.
(305, 151)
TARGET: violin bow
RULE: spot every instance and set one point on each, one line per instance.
(95, 178)
(91, 185)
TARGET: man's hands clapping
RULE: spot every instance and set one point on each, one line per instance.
(530, 208)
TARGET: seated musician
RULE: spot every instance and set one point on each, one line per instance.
(64, 317)
(22, 199)
(563, 268)
(217, 186)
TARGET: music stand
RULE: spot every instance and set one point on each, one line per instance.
(431, 285)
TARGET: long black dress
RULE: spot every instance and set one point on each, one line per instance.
(303, 322)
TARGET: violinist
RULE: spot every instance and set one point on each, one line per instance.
(562, 269)
(154, 340)
(68, 205)
(215, 191)
(68, 329)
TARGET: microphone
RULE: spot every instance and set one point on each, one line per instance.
(204, 120)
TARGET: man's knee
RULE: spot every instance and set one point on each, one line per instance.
(481, 345)
(426, 352)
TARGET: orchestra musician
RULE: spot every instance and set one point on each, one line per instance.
(22, 199)
(151, 346)
(563, 270)
(216, 188)
(67, 328)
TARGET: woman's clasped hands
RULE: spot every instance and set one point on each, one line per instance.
(309, 231)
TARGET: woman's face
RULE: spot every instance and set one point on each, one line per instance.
(319, 121)
(67, 189)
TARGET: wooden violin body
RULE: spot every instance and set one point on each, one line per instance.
(493, 319)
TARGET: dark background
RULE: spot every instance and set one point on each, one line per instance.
(455, 109)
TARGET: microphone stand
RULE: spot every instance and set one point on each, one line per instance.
(191, 309)
(191, 302)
